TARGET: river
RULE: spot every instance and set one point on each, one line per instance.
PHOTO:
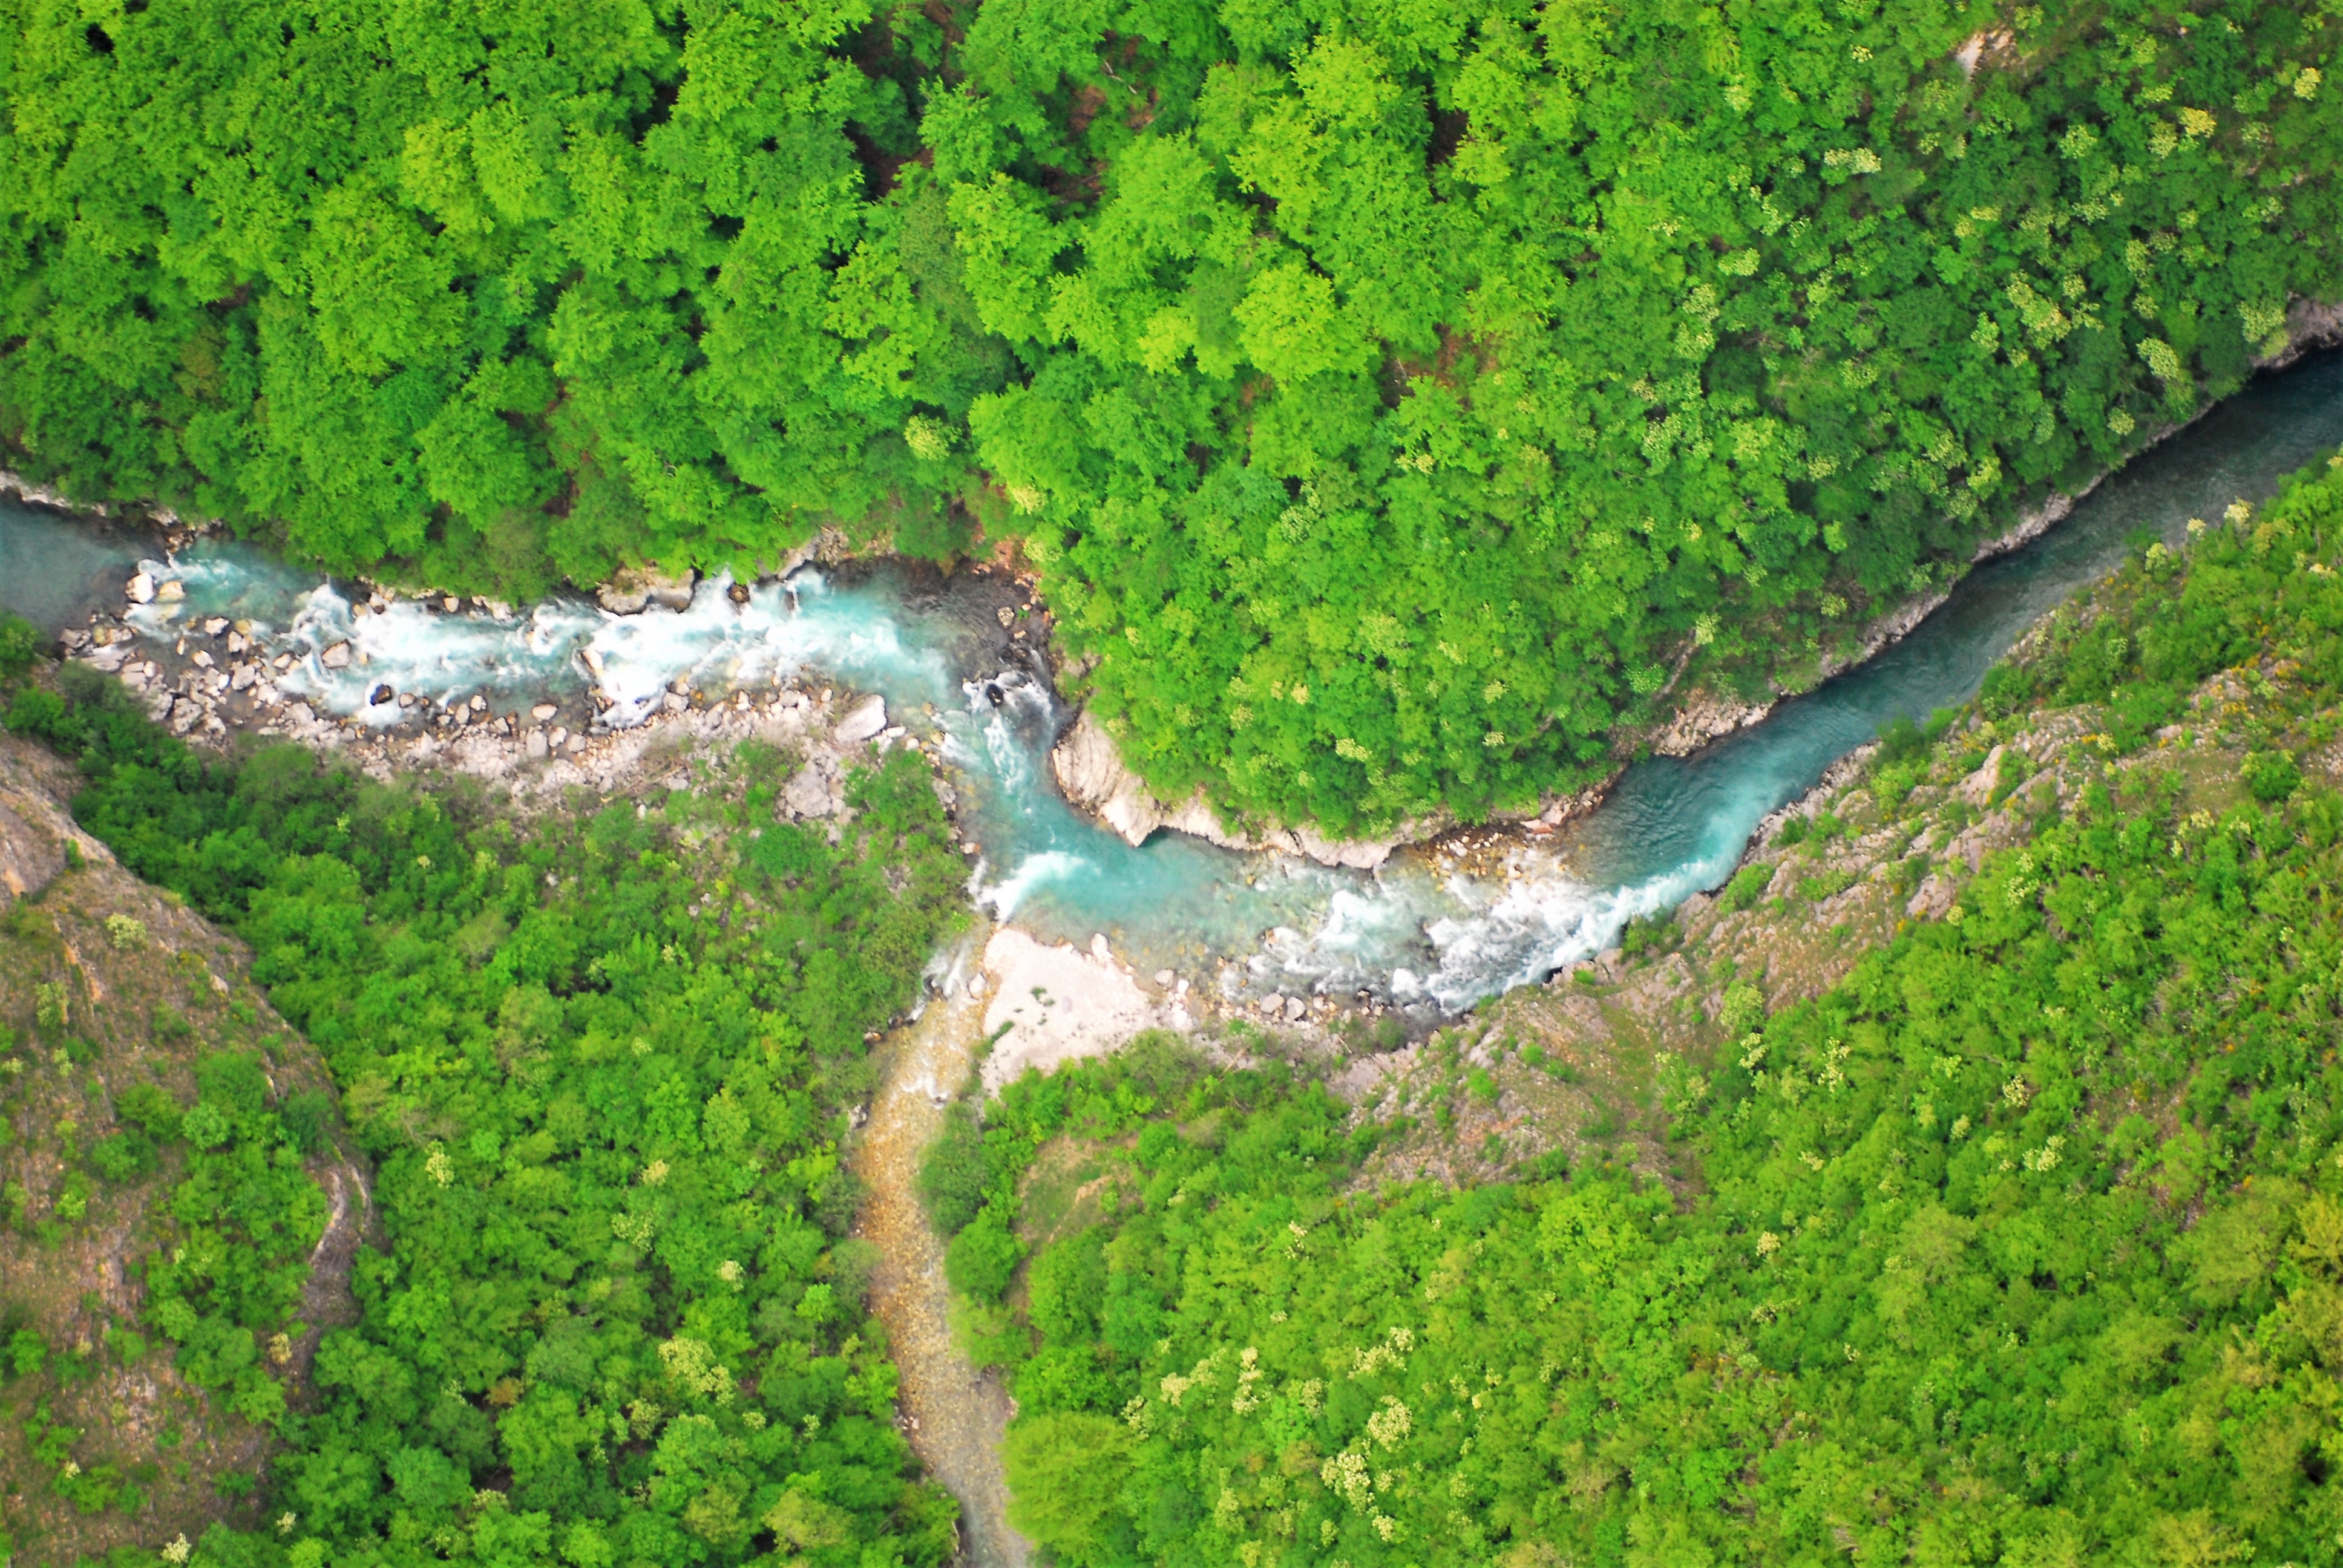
(1422, 931)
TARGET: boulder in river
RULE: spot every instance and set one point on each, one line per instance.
(338, 656)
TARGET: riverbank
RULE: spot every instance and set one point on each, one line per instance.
(1431, 930)
(1707, 715)
(952, 1413)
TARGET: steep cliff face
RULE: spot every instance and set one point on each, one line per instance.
(120, 1012)
(1091, 771)
(1879, 847)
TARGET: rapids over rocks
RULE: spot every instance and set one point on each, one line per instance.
(1430, 930)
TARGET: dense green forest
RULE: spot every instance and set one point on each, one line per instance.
(2023, 1245)
(599, 1061)
(1389, 394)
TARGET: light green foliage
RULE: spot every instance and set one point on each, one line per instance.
(1391, 394)
(247, 1217)
(20, 642)
(2022, 1245)
(1072, 1467)
(606, 1299)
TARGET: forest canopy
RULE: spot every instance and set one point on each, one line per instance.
(2023, 1244)
(598, 1062)
(1394, 397)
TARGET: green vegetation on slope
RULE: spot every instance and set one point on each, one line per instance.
(157, 1122)
(2022, 1245)
(601, 1062)
(1389, 394)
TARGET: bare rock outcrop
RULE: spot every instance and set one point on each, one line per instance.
(2309, 326)
(1091, 773)
(29, 861)
(93, 962)
(34, 829)
(633, 590)
(1705, 717)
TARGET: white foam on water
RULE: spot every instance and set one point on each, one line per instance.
(1415, 936)
(1404, 932)
(1035, 871)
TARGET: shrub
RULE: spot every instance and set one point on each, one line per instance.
(123, 1156)
(983, 1257)
(1748, 884)
(2271, 776)
(20, 644)
(28, 1353)
(149, 1107)
(308, 1118)
(952, 1174)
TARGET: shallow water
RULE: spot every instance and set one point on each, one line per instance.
(1415, 932)
(954, 1414)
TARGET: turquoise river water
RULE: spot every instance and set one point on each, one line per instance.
(1417, 932)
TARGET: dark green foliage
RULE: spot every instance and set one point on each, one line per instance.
(603, 1133)
(2272, 776)
(150, 1107)
(1386, 1033)
(1748, 884)
(233, 1081)
(982, 1257)
(20, 644)
(1388, 394)
(308, 1118)
(952, 1173)
(2022, 1245)
(123, 1157)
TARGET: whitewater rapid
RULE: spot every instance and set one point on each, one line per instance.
(1431, 929)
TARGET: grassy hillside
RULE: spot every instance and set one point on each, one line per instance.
(1965, 1184)
(177, 1219)
(600, 1059)
(1392, 397)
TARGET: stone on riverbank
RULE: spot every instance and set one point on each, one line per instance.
(1059, 1004)
(864, 722)
(633, 590)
